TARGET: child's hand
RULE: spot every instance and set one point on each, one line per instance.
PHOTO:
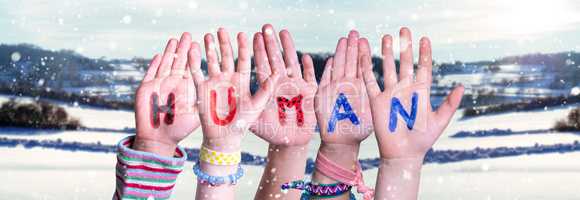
(405, 125)
(165, 101)
(225, 103)
(289, 118)
(342, 93)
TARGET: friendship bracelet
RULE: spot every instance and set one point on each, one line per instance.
(142, 175)
(318, 190)
(219, 158)
(321, 190)
(217, 180)
(328, 168)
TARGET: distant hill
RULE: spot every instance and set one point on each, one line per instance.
(29, 65)
(29, 70)
(566, 66)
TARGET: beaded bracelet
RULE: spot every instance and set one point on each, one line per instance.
(219, 158)
(318, 190)
(205, 178)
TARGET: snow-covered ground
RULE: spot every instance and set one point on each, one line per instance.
(53, 174)
(31, 174)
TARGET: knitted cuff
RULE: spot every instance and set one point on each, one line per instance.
(144, 175)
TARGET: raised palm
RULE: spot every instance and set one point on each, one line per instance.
(288, 118)
(342, 75)
(165, 101)
(226, 105)
(404, 131)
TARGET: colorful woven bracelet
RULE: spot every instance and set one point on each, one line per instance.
(332, 170)
(306, 196)
(142, 175)
(204, 178)
(318, 190)
(219, 158)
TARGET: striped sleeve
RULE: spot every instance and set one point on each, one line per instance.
(144, 175)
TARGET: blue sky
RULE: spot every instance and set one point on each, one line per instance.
(464, 30)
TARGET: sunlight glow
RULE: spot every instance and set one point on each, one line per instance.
(525, 18)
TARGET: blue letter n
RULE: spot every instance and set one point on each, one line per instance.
(397, 107)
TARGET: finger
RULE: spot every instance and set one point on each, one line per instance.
(167, 59)
(227, 55)
(363, 49)
(181, 57)
(194, 63)
(425, 61)
(369, 76)
(152, 69)
(190, 92)
(446, 110)
(389, 70)
(327, 74)
(265, 91)
(244, 63)
(290, 57)
(351, 55)
(272, 50)
(309, 75)
(187, 71)
(211, 55)
(406, 48)
(261, 58)
(339, 59)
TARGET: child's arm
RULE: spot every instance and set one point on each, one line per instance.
(227, 108)
(344, 118)
(405, 125)
(165, 112)
(288, 122)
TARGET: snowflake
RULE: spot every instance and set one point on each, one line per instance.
(192, 5)
(407, 175)
(575, 91)
(15, 56)
(127, 19)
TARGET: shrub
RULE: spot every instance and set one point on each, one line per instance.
(67, 97)
(571, 123)
(38, 114)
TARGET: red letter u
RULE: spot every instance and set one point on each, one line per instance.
(231, 104)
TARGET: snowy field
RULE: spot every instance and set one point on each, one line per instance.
(53, 174)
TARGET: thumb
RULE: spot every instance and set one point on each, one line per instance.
(446, 110)
(263, 94)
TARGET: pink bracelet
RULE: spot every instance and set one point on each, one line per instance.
(336, 172)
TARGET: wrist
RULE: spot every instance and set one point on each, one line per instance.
(408, 164)
(222, 145)
(402, 156)
(344, 155)
(278, 158)
(288, 151)
(154, 146)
